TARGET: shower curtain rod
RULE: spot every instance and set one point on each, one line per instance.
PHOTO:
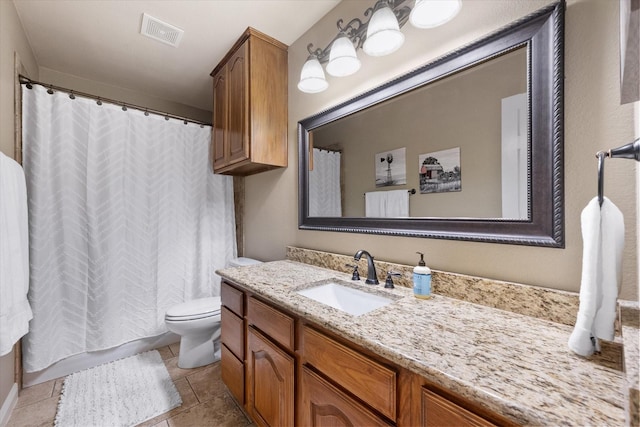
(27, 81)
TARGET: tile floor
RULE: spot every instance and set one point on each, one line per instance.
(205, 400)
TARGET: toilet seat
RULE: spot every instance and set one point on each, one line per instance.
(193, 310)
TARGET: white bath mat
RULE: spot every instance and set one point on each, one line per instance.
(121, 393)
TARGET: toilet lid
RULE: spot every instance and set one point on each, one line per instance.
(195, 309)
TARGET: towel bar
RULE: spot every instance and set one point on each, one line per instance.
(412, 191)
(627, 151)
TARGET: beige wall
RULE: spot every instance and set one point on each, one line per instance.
(69, 81)
(594, 120)
(12, 40)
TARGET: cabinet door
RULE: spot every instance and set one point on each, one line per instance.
(220, 123)
(232, 373)
(270, 382)
(323, 405)
(238, 105)
(438, 411)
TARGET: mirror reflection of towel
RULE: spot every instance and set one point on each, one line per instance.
(387, 204)
(603, 241)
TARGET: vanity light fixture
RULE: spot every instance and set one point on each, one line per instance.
(379, 36)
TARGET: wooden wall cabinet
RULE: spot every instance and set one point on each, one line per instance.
(250, 107)
(287, 371)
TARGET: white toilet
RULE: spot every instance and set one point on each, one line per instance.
(198, 324)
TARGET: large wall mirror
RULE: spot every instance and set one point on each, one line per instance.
(469, 147)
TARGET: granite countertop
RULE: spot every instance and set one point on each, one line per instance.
(512, 364)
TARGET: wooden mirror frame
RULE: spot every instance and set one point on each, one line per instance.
(542, 32)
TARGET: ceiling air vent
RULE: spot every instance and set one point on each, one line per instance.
(161, 31)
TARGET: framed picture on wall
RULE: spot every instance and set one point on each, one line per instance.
(391, 167)
(439, 171)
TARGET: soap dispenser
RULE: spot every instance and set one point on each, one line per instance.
(422, 279)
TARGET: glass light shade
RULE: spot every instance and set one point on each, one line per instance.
(312, 77)
(383, 33)
(432, 13)
(343, 60)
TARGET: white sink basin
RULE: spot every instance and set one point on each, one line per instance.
(345, 298)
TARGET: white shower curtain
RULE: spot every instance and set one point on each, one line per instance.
(125, 219)
(325, 194)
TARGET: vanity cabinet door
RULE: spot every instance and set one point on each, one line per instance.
(232, 373)
(324, 405)
(439, 412)
(270, 382)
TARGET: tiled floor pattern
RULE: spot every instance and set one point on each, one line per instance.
(205, 400)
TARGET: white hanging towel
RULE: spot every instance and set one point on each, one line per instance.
(603, 241)
(387, 204)
(15, 311)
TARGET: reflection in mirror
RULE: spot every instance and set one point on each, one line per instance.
(478, 134)
(483, 117)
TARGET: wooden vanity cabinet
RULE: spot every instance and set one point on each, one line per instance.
(288, 371)
(250, 106)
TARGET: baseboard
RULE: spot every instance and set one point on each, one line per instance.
(8, 405)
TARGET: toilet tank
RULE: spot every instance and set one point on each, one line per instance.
(242, 261)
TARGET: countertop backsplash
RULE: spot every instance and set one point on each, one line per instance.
(549, 304)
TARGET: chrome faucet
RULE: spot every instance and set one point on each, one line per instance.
(372, 277)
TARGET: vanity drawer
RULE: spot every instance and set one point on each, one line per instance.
(232, 373)
(438, 411)
(277, 325)
(232, 331)
(371, 381)
(232, 298)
